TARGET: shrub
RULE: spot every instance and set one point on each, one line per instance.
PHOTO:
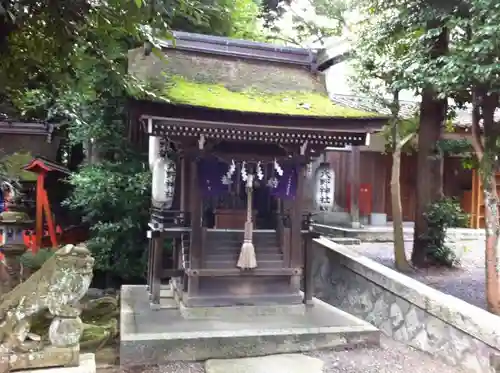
(35, 261)
(114, 198)
(440, 216)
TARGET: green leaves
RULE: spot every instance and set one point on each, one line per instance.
(114, 197)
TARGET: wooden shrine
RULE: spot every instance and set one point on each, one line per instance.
(237, 238)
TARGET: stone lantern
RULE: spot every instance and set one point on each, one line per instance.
(12, 227)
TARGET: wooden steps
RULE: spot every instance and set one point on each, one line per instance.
(222, 249)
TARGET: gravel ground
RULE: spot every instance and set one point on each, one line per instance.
(466, 282)
(391, 357)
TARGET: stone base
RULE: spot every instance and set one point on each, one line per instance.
(50, 356)
(149, 337)
(87, 365)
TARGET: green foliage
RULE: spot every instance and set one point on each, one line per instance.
(14, 164)
(233, 18)
(66, 62)
(440, 216)
(114, 198)
(455, 146)
(306, 22)
(462, 147)
(379, 70)
(112, 195)
(35, 261)
(246, 22)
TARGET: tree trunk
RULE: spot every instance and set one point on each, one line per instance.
(492, 226)
(400, 260)
(487, 153)
(429, 169)
(429, 159)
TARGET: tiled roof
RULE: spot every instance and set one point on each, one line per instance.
(408, 109)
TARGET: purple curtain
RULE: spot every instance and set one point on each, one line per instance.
(287, 183)
(210, 173)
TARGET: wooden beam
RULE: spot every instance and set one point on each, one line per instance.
(157, 269)
(308, 267)
(176, 250)
(183, 191)
(355, 185)
(296, 221)
(195, 249)
(39, 211)
(171, 273)
(150, 265)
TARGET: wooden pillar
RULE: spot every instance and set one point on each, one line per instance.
(355, 185)
(296, 221)
(158, 243)
(308, 267)
(39, 210)
(196, 250)
(176, 249)
(150, 263)
(184, 190)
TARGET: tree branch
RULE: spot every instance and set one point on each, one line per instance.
(407, 138)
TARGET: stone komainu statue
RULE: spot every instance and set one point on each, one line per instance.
(57, 287)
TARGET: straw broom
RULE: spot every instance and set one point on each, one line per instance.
(247, 259)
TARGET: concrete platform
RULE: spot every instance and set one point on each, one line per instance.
(163, 335)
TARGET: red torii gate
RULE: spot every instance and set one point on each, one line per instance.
(42, 167)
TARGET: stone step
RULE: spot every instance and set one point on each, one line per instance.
(345, 240)
(166, 291)
(230, 255)
(231, 244)
(238, 236)
(226, 249)
(262, 263)
(144, 332)
(257, 242)
(165, 304)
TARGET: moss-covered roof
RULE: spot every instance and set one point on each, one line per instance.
(182, 91)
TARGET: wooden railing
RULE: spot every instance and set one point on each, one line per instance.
(170, 218)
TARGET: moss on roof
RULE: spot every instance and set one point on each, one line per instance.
(181, 91)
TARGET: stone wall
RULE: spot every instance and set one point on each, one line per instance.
(332, 226)
(405, 309)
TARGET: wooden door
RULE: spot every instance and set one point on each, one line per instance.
(407, 202)
(408, 192)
